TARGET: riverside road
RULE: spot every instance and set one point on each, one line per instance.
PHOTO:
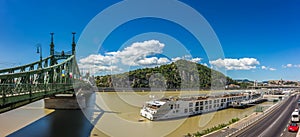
(274, 124)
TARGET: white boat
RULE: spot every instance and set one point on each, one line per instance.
(176, 107)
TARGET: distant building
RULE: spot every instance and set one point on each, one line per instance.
(283, 82)
(232, 86)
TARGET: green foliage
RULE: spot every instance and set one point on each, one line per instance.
(212, 129)
(179, 74)
(244, 85)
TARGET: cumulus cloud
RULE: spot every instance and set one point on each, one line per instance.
(187, 57)
(98, 59)
(137, 54)
(235, 64)
(133, 55)
(267, 68)
(152, 61)
(176, 59)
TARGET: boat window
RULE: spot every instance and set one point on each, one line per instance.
(190, 109)
(205, 102)
(210, 101)
(197, 103)
(201, 108)
(185, 110)
(201, 103)
(171, 107)
(197, 109)
(191, 104)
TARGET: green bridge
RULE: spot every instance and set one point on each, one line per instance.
(46, 77)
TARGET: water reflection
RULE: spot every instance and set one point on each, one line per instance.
(60, 123)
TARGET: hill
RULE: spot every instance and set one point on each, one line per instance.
(179, 74)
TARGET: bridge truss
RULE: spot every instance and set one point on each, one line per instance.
(46, 77)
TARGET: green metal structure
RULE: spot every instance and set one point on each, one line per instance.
(46, 77)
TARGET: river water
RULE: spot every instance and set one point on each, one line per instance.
(110, 114)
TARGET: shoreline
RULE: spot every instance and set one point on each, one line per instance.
(183, 90)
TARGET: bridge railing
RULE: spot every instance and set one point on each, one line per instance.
(29, 92)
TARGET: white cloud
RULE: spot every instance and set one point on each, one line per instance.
(136, 55)
(235, 64)
(291, 66)
(98, 63)
(153, 61)
(267, 68)
(93, 68)
(98, 59)
(176, 59)
(138, 52)
(204, 64)
(196, 60)
(187, 57)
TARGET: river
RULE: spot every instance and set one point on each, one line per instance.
(110, 114)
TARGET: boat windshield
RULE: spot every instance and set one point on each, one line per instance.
(153, 106)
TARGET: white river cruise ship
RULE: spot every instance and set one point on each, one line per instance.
(176, 107)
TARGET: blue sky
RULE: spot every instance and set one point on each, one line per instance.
(260, 39)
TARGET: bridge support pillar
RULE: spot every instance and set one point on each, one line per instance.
(64, 101)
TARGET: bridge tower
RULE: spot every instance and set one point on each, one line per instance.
(52, 50)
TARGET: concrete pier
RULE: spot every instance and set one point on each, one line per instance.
(64, 101)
